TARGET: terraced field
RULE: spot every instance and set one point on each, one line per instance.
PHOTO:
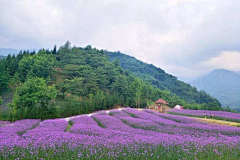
(119, 134)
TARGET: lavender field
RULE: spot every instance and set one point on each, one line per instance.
(119, 134)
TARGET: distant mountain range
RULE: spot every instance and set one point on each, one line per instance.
(238, 72)
(223, 85)
(6, 51)
(1, 57)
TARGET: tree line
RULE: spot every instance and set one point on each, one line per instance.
(75, 80)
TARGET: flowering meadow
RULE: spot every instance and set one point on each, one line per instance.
(221, 115)
(119, 134)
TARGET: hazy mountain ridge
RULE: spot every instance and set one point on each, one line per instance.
(1, 57)
(238, 72)
(6, 51)
(223, 85)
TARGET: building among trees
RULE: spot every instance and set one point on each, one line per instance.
(160, 105)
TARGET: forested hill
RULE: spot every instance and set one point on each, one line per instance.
(74, 80)
(161, 79)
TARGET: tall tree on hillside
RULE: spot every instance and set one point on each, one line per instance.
(4, 80)
(54, 50)
(120, 85)
(39, 65)
(74, 86)
(99, 100)
(136, 87)
(90, 96)
(1, 100)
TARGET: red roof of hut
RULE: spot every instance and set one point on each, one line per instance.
(161, 101)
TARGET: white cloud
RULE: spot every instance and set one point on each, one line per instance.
(226, 60)
(229, 60)
(180, 36)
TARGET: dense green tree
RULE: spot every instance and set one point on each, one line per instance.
(54, 50)
(39, 65)
(120, 85)
(4, 80)
(63, 52)
(74, 86)
(34, 94)
(1, 100)
(99, 100)
(175, 100)
(136, 88)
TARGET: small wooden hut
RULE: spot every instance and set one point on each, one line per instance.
(160, 105)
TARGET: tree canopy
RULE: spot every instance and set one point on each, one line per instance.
(34, 95)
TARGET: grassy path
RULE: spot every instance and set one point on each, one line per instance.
(197, 116)
(219, 122)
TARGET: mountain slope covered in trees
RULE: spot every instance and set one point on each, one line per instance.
(161, 79)
(223, 85)
(75, 80)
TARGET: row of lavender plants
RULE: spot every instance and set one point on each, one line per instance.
(119, 134)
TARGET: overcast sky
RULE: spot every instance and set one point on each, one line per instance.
(187, 38)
